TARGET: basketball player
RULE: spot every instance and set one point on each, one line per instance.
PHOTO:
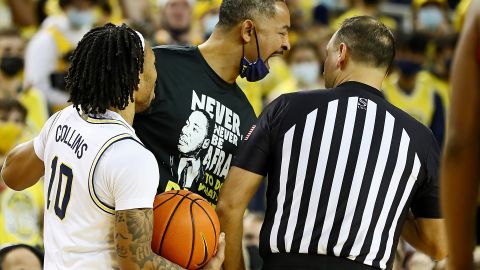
(461, 158)
(100, 179)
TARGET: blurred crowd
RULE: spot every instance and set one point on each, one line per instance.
(37, 38)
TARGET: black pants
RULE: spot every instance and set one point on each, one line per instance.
(284, 261)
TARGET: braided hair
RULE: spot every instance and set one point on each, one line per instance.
(105, 69)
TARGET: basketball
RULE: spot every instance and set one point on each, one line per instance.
(185, 228)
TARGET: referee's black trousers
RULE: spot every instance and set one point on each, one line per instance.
(288, 261)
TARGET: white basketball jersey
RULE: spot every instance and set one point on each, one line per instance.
(79, 225)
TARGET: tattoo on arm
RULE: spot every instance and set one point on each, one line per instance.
(133, 237)
(121, 250)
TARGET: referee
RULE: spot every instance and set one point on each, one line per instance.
(348, 172)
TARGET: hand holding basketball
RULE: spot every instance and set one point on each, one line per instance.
(186, 229)
(216, 262)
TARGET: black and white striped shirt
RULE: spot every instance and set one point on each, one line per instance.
(344, 166)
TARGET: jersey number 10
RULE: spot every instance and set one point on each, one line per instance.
(66, 172)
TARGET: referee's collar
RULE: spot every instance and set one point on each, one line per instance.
(354, 85)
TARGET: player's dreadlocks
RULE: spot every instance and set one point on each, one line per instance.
(105, 69)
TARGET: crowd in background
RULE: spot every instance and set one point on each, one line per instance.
(38, 36)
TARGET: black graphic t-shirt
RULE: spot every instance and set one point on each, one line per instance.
(195, 123)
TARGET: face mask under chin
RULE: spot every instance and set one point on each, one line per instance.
(253, 71)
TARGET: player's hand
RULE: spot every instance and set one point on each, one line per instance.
(216, 262)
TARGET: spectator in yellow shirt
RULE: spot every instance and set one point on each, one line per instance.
(21, 213)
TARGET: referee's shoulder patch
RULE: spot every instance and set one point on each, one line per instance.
(362, 103)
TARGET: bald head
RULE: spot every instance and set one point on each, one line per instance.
(20, 259)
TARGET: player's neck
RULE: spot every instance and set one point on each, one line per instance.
(127, 114)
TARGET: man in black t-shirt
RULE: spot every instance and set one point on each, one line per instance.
(348, 172)
(190, 79)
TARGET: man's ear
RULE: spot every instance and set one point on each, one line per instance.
(343, 55)
(206, 143)
(140, 85)
(247, 31)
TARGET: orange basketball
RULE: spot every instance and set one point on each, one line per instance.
(185, 228)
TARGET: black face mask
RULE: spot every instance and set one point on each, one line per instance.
(408, 68)
(11, 65)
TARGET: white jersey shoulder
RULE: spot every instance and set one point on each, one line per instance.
(77, 151)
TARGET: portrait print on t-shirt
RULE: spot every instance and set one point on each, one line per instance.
(205, 146)
(193, 142)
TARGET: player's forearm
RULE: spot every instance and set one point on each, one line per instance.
(231, 222)
(133, 232)
(144, 261)
(459, 200)
(459, 178)
(22, 168)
